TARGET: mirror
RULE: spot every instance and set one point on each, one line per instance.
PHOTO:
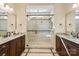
(3, 22)
(7, 23)
(72, 21)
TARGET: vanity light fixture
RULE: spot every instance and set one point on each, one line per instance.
(6, 8)
(2, 6)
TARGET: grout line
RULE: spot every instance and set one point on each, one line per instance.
(37, 48)
(52, 52)
(39, 52)
(27, 52)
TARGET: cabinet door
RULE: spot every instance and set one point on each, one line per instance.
(23, 42)
(4, 49)
(13, 48)
(18, 44)
(72, 47)
(60, 47)
(58, 44)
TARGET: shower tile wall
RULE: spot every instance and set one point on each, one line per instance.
(38, 24)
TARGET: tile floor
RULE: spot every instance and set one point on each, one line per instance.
(39, 46)
(39, 52)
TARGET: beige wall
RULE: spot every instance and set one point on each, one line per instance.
(11, 19)
(59, 18)
(11, 22)
(21, 19)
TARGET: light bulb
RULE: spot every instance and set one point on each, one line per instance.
(11, 9)
(1, 4)
(78, 4)
(7, 7)
(6, 17)
(74, 6)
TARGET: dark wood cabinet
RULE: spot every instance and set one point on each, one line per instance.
(23, 43)
(72, 47)
(14, 47)
(18, 46)
(60, 47)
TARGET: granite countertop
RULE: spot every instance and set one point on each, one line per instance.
(4, 40)
(70, 38)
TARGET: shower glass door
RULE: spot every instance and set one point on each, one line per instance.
(39, 30)
(39, 24)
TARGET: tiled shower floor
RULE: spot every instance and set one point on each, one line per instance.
(39, 52)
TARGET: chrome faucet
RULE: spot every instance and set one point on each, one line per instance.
(8, 33)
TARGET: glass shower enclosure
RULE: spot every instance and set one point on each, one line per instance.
(39, 25)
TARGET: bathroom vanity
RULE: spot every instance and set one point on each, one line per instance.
(13, 45)
(66, 44)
